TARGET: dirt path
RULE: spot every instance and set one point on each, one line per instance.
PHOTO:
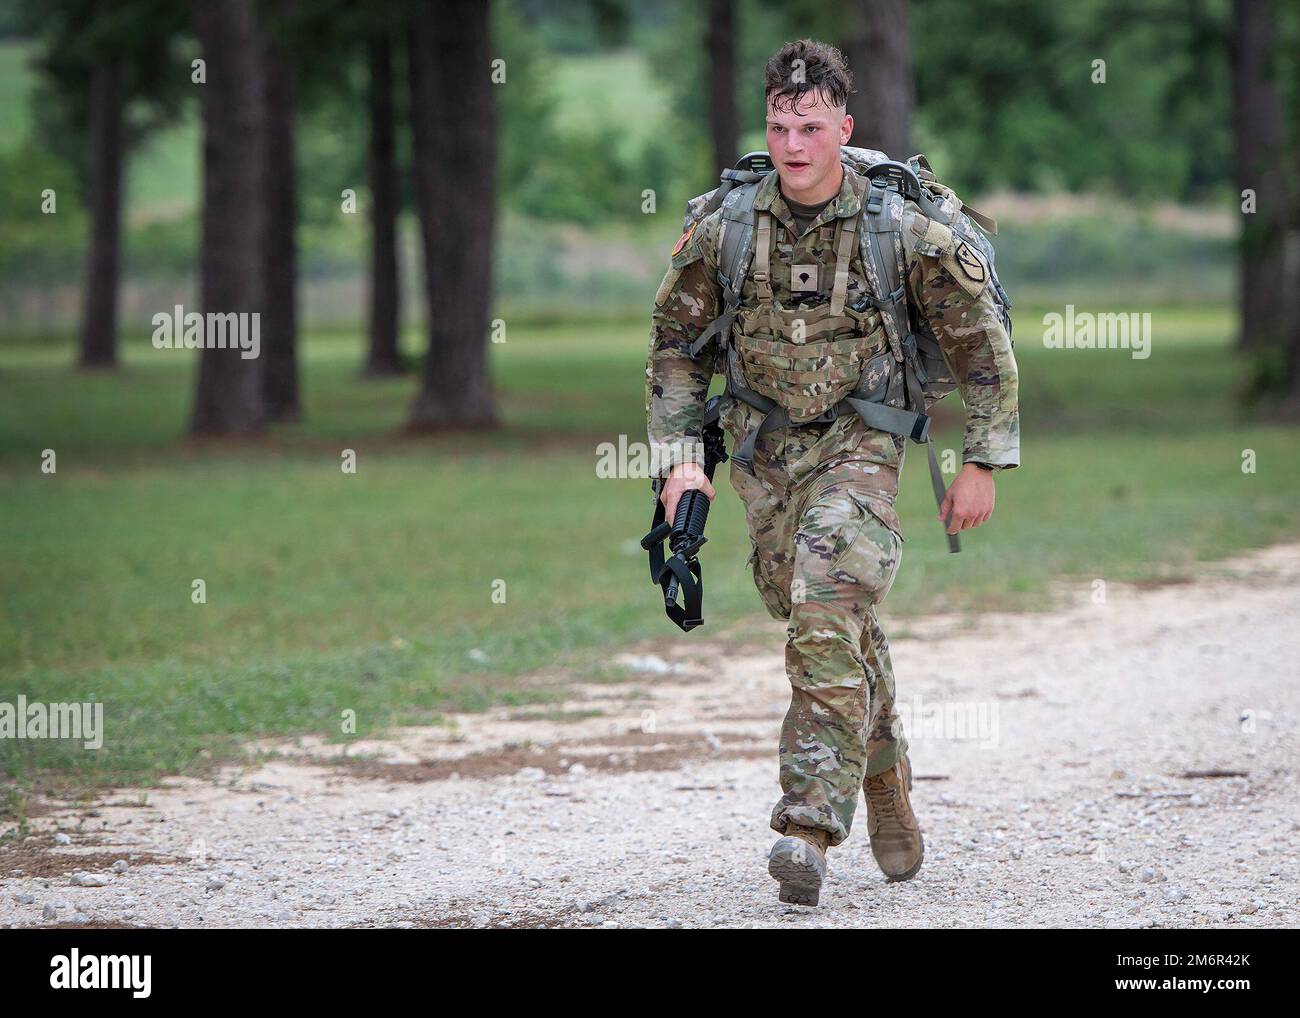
(1049, 753)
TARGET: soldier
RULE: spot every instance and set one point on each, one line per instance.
(819, 503)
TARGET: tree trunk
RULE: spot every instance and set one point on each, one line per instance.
(1291, 302)
(385, 298)
(229, 394)
(454, 124)
(107, 153)
(724, 121)
(1291, 380)
(280, 254)
(880, 57)
(1257, 134)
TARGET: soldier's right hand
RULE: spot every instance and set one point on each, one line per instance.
(683, 478)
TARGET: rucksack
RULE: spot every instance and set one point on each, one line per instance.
(926, 376)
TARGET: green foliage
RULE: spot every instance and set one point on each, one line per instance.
(39, 246)
(1005, 88)
(162, 249)
(526, 102)
(578, 26)
(332, 139)
(1004, 91)
(548, 190)
(143, 38)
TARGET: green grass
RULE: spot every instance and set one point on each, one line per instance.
(329, 592)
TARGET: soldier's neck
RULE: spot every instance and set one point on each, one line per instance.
(816, 196)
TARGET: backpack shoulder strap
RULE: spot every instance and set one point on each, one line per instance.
(735, 251)
(883, 260)
(882, 257)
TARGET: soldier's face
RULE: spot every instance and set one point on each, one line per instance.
(805, 143)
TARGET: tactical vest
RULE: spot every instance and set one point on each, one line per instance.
(875, 359)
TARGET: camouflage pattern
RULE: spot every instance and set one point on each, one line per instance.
(820, 506)
(805, 353)
(694, 207)
(824, 554)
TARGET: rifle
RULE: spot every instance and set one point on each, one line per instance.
(681, 573)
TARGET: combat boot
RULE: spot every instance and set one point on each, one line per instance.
(798, 861)
(896, 840)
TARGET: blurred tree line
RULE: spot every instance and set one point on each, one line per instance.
(1189, 100)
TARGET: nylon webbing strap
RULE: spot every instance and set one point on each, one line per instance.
(774, 416)
(912, 379)
(733, 260)
(892, 419)
(714, 203)
(909, 423)
(987, 222)
(762, 258)
(916, 398)
(743, 176)
(843, 254)
(936, 482)
(721, 325)
(882, 223)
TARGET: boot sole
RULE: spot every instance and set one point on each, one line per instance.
(794, 864)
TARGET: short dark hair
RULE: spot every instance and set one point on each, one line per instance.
(822, 67)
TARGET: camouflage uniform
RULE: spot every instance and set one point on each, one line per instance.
(820, 505)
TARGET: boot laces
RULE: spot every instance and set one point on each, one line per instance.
(882, 797)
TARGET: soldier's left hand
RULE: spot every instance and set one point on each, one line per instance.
(969, 498)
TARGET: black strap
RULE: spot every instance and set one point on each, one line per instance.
(690, 579)
(681, 574)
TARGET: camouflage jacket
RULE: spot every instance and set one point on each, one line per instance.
(946, 282)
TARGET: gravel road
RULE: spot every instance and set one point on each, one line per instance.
(1126, 763)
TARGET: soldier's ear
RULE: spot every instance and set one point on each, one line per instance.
(846, 129)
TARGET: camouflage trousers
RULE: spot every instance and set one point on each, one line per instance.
(825, 553)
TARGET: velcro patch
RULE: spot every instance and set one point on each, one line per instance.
(666, 287)
(927, 236)
(803, 278)
(968, 266)
(689, 247)
(971, 263)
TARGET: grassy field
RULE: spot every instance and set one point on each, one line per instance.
(373, 591)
